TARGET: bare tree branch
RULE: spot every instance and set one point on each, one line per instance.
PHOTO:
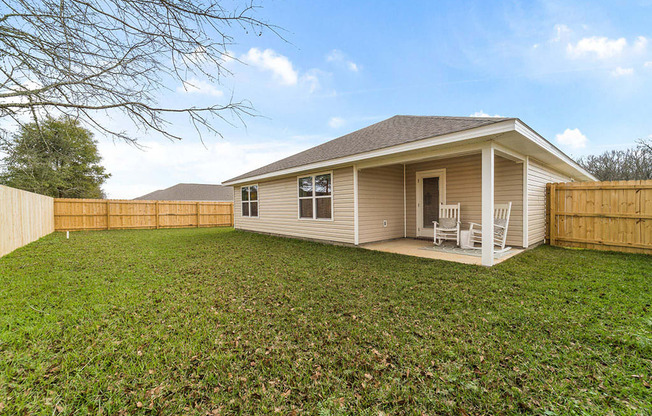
(83, 59)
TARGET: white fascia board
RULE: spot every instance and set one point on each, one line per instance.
(536, 138)
(496, 128)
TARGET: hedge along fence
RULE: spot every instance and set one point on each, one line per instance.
(601, 215)
(24, 217)
(112, 214)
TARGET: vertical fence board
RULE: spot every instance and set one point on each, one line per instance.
(601, 215)
(101, 214)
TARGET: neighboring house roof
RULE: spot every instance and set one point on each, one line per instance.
(393, 131)
(191, 192)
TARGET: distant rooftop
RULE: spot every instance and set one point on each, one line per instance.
(391, 132)
(191, 192)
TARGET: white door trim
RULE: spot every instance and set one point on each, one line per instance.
(435, 173)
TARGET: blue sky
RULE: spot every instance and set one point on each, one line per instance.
(580, 73)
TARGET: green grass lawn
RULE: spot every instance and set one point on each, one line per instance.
(216, 321)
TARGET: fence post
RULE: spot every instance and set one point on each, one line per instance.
(157, 219)
(232, 214)
(108, 215)
(553, 209)
(197, 214)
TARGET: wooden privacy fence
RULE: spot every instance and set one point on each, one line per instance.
(24, 217)
(601, 215)
(109, 214)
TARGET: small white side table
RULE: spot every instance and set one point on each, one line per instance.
(465, 239)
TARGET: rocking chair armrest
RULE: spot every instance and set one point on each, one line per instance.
(473, 225)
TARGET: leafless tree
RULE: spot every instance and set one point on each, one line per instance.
(87, 58)
(617, 165)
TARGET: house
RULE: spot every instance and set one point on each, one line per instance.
(385, 181)
(191, 192)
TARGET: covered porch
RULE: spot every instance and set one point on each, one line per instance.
(398, 198)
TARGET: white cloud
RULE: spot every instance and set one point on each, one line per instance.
(482, 114)
(311, 79)
(560, 32)
(572, 138)
(336, 122)
(640, 45)
(620, 71)
(600, 47)
(648, 64)
(268, 60)
(197, 86)
(338, 56)
(166, 163)
(335, 55)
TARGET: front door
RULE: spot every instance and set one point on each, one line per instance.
(430, 193)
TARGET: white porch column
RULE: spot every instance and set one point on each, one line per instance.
(356, 232)
(488, 205)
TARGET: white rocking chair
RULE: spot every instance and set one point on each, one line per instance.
(448, 225)
(501, 223)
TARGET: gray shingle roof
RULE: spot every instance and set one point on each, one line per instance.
(191, 192)
(391, 132)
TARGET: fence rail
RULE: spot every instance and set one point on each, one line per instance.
(113, 214)
(601, 215)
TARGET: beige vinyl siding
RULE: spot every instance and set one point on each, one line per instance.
(278, 210)
(538, 177)
(464, 185)
(380, 197)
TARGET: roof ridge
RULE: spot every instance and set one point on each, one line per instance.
(456, 117)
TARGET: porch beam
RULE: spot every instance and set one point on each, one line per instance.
(423, 156)
(508, 153)
(488, 204)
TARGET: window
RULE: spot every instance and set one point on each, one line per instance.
(249, 201)
(316, 197)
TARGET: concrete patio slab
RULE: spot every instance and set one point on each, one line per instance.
(414, 247)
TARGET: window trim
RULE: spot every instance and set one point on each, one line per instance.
(249, 200)
(314, 197)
